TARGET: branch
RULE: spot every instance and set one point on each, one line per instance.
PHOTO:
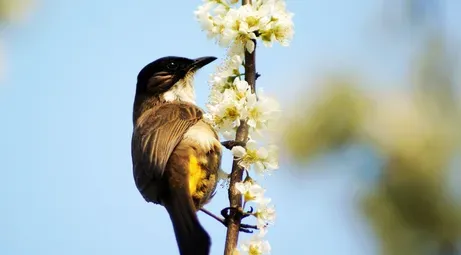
(235, 198)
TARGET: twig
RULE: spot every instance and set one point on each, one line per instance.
(235, 198)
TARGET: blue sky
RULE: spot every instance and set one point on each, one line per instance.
(66, 98)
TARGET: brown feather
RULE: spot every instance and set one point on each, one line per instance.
(156, 133)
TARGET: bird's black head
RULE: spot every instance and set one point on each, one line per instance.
(160, 75)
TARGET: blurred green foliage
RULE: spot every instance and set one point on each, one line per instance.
(415, 133)
(13, 10)
(412, 208)
(330, 122)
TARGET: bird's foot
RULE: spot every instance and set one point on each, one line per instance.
(231, 144)
(246, 228)
(226, 220)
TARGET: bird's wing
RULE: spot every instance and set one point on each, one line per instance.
(157, 132)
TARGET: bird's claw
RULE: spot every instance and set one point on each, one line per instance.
(231, 144)
(226, 212)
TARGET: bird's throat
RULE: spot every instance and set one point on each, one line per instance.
(183, 91)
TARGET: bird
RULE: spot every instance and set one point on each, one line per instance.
(176, 153)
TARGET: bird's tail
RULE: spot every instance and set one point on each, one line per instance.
(191, 237)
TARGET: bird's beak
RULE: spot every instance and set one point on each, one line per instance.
(201, 62)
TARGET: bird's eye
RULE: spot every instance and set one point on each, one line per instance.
(172, 66)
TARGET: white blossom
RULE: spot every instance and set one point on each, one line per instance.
(227, 24)
(251, 191)
(256, 246)
(222, 78)
(227, 105)
(265, 213)
(263, 159)
(277, 24)
(260, 111)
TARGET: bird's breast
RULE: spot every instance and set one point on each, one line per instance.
(202, 135)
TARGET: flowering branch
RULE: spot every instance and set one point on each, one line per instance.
(235, 198)
(237, 113)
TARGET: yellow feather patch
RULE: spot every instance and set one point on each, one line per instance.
(196, 174)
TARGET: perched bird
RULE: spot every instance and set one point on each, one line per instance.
(176, 154)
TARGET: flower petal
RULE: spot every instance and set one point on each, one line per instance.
(238, 151)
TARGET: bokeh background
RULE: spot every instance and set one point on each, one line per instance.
(369, 136)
